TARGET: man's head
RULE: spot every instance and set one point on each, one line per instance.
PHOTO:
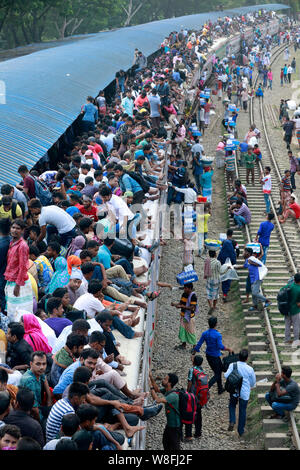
(243, 355)
(9, 436)
(105, 320)
(270, 216)
(169, 381)
(87, 270)
(69, 424)
(119, 170)
(188, 288)
(7, 203)
(55, 307)
(17, 229)
(15, 332)
(77, 394)
(35, 206)
(297, 278)
(229, 233)
(97, 341)
(76, 343)
(93, 247)
(81, 327)
(286, 373)
(87, 415)
(248, 252)
(38, 363)
(23, 171)
(53, 250)
(197, 361)
(88, 358)
(82, 374)
(95, 288)
(212, 322)
(25, 399)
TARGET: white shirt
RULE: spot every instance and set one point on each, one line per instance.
(82, 177)
(249, 379)
(119, 207)
(58, 217)
(197, 148)
(267, 186)
(190, 195)
(90, 304)
(51, 445)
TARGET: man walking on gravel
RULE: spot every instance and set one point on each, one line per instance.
(214, 346)
(241, 398)
(172, 432)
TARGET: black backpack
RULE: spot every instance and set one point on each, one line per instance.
(234, 381)
(284, 299)
(140, 180)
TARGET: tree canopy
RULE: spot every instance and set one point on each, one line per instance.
(31, 21)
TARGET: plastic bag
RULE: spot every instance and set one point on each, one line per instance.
(228, 272)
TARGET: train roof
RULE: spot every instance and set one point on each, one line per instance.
(43, 91)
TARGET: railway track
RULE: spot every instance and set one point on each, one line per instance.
(265, 329)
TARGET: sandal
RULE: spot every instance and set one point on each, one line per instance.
(153, 295)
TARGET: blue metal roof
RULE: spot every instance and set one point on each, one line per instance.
(45, 90)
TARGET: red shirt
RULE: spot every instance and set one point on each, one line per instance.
(29, 184)
(17, 262)
(296, 209)
(91, 213)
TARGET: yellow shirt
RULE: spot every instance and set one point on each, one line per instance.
(8, 214)
(202, 223)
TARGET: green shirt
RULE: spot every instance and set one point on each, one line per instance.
(173, 417)
(249, 160)
(294, 298)
(64, 358)
(30, 381)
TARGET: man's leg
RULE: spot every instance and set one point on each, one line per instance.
(115, 294)
(267, 202)
(242, 416)
(117, 271)
(287, 324)
(296, 326)
(198, 421)
(232, 406)
(171, 439)
(256, 293)
(216, 366)
(264, 258)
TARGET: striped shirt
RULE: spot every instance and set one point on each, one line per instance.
(230, 162)
(244, 212)
(59, 409)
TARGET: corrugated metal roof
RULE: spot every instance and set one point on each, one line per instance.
(45, 90)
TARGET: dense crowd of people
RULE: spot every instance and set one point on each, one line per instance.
(77, 244)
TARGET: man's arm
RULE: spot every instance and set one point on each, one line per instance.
(42, 234)
(154, 389)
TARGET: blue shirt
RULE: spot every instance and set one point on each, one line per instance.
(66, 378)
(90, 113)
(253, 271)
(129, 184)
(104, 256)
(264, 232)
(213, 339)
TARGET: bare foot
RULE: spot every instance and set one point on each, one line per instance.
(135, 322)
(131, 430)
(139, 401)
(124, 361)
(246, 301)
(138, 334)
